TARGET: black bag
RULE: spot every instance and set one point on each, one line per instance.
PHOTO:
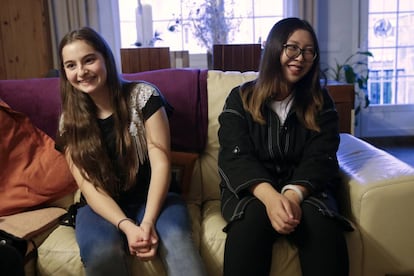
(18, 243)
(69, 219)
(12, 254)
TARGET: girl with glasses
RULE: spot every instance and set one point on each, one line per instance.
(279, 171)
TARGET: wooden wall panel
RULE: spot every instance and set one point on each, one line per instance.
(25, 39)
(344, 96)
(3, 73)
(135, 60)
(239, 57)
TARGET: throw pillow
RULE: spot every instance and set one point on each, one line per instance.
(32, 172)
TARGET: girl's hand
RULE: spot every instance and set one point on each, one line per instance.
(142, 240)
(295, 203)
(283, 213)
(148, 246)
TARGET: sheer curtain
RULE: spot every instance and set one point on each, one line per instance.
(102, 15)
(305, 9)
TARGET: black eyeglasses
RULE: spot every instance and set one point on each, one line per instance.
(293, 51)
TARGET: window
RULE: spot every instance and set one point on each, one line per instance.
(171, 23)
(390, 29)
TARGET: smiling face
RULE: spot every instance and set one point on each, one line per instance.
(84, 67)
(295, 68)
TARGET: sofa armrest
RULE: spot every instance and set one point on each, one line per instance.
(381, 197)
(27, 225)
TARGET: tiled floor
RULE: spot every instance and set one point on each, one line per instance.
(405, 154)
(400, 147)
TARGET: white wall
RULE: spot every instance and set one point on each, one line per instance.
(198, 61)
(337, 30)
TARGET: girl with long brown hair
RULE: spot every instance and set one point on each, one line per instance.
(116, 138)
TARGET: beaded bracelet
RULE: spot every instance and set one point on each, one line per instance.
(295, 189)
(122, 220)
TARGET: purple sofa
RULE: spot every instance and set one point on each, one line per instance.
(184, 89)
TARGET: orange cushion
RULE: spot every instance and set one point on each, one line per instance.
(32, 172)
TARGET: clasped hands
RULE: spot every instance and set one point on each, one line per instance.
(284, 211)
(142, 241)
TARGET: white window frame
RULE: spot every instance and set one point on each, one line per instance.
(146, 36)
(380, 120)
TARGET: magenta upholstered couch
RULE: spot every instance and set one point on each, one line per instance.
(185, 90)
(378, 188)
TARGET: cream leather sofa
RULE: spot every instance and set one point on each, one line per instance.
(378, 196)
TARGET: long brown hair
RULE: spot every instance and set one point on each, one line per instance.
(79, 130)
(270, 82)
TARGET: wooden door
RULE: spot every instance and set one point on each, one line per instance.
(25, 45)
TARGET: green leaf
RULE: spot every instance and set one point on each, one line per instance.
(365, 53)
(349, 73)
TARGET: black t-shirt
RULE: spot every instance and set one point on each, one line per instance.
(150, 101)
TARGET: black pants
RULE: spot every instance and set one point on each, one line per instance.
(320, 241)
(11, 261)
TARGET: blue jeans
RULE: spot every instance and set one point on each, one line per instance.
(104, 250)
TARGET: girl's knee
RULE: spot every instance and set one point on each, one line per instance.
(174, 214)
(106, 260)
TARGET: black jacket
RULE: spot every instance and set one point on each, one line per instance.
(251, 153)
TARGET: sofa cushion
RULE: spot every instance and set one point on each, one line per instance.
(59, 253)
(32, 172)
(285, 259)
(219, 85)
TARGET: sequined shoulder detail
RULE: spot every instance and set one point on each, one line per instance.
(140, 95)
(144, 91)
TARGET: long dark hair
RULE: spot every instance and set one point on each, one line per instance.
(271, 81)
(80, 133)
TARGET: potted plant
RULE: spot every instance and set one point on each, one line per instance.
(211, 23)
(354, 70)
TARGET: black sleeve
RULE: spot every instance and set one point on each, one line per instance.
(155, 101)
(239, 167)
(318, 166)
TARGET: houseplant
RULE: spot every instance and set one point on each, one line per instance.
(212, 23)
(354, 70)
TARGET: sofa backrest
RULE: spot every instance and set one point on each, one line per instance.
(184, 89)
(219, 85)
(39, 99)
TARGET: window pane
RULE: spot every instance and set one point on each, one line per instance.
(165, 11)
(382, 6)
(128, 34)
(241, 8)
(267, 8)
(127, 9)
(263, 26)
(405, 34)
(382, 30)
(166, 23)
(391, 25)
(407, 95)
(406, 5)
(244, 32)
